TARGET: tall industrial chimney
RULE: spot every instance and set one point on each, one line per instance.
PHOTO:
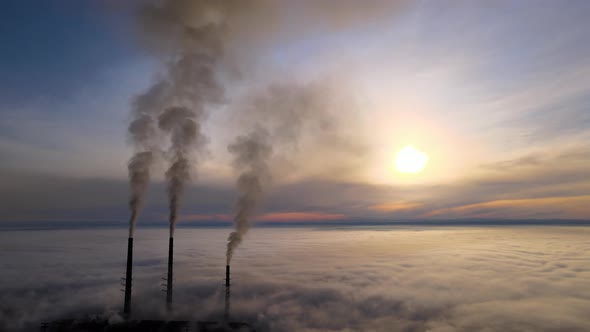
(128, 279)
(226, 312)
(170, 274)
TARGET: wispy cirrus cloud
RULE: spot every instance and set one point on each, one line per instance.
(394, 206)
(574, 207)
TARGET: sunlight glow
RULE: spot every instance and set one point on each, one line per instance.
(410, 160)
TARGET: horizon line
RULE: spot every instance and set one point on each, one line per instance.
(81, 224)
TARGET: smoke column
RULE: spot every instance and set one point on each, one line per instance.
(139, 176)
(140, 131)
(184, 132)
(180, 123)
(142, 134)
(251, 154)
(187, 40)
(190, 37)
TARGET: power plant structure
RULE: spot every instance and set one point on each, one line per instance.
(128, 279)
(227, 294)
(128, 324)
(170, 280)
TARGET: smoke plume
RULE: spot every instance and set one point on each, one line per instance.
(288, 119)
(139, 176)
(142, 132)
(184, 130)
(322, 116)
(178, 98)
(240, 31)
(198, 41)
(251, 156)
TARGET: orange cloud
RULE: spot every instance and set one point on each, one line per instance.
(394, 206)
(574, 207)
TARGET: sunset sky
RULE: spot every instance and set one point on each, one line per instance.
(495, 93)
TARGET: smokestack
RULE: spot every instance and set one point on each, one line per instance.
(227, 276)
(128, 278)
(226, 312)
(170, 276)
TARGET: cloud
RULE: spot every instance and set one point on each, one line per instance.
(517, 192)
(553, 186)
(460, 279)
(272, 216)
(394, 206)
(577, 207)
(530, 160)
(542, 313)
(205, 217)
(300, 216)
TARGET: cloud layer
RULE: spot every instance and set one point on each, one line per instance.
(356, 279)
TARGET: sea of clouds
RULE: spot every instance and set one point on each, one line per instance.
(303, 279)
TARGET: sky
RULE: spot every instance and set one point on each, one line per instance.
(495, 94)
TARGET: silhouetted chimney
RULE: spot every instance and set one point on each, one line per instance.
(227, 276)
(128, 278)
(170, 274)
(226, 312)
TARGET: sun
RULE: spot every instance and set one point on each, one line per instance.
(410, 160)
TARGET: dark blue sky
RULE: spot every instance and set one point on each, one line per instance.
(50, 48)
